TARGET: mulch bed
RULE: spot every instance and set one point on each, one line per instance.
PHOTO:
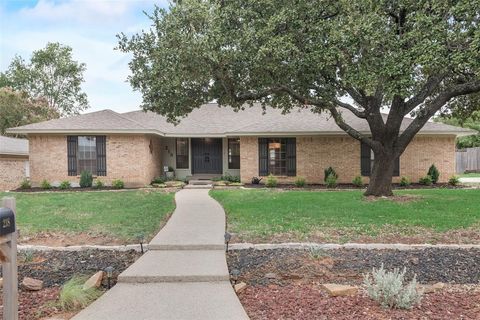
(55, 268)
(307, 302)
(285, 284)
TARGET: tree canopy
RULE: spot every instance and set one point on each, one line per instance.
(402, 57)
(51, 75)
(472, 122)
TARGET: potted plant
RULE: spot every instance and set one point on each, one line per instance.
(170, 173)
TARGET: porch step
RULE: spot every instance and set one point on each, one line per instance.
(198, 186)
(201, 182)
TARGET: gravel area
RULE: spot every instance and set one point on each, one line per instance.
(348, 265)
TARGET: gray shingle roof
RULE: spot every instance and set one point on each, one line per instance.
(13, 146)
(212, 120)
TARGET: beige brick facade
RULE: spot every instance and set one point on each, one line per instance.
(316, 153)
(12, 171)
(133, 158)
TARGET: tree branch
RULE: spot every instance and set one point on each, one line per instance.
(428, 88)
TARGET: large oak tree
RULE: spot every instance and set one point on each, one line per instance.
(402, 57)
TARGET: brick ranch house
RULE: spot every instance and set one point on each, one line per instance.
(14, 165)
(212, 141)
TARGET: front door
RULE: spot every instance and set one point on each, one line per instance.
(207, 155)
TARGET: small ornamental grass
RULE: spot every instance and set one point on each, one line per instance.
(300, 182)
(65, 185)
(404, 182)
(45, 185)
(390, 290)
(454, 181)
(118, 184)
(357, 181)
(73, 297)
(426, 181)
(271, 181)
(25, 184)
(98, 184)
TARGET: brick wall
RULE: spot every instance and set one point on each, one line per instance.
(133, 158)
(12, 172)
(316, 153)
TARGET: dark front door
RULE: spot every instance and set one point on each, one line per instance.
(207, 155)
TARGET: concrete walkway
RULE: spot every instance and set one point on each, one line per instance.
(184, 274)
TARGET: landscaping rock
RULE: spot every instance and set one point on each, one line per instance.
(239, 287)
(1, 282)
(271, 275)
(433, 288)
(94, 281)
(336, 290)
(31, 284)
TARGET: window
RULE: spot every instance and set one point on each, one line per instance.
(182, 153)
(87, 154)
(277, 157)
(234, 153)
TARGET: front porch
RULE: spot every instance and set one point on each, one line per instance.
(201, 158)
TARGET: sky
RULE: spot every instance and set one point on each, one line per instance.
(90, 28)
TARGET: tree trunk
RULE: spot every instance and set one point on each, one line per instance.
(381, 175)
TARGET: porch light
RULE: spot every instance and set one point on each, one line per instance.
(109, 271)
(228, 237)
(234, 274)
(141, 238)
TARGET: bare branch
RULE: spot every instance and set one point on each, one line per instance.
(428, 88)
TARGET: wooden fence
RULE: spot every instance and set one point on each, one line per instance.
(468, 160)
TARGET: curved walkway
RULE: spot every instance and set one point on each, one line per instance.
(183, 276)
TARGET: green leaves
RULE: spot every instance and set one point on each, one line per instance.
(52, 75)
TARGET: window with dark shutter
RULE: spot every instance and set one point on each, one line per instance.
(291, 155)
(101, 155)
(263, 156)
(367, 158)
(72, 142)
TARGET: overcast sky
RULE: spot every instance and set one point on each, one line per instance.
(90, 28)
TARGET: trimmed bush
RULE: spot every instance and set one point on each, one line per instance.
(454, 181)
(230, 178)
(390, 290)
(271, 181)
(98, 184)
(300, 182)
(159, 180)
(331, 181)
(86, 179)
(426, 181)
(25, 184)
(65, 185)
(404, 182)
(434, 173)
(45, 184)
(328, 172)
(357, 181)
(118, 184)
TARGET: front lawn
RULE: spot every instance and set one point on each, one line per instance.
(469, 175)
(429, 215)
(120, 215)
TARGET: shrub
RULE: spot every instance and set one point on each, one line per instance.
(25, 184)
(328, 172)
(454, 181)
(404, 182)
(426, 181)
(65, 185)
(45, 184)
(390, 290)
(86, 179)
(271, 181)
(300, 182)
(73, 297)
(159, 180)
(256, 180)
(118, 184)
(230, 178)
(98, 184)
(434, 173)
(331, 181)
(357, 181)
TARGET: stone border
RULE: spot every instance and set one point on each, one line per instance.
(267, 246)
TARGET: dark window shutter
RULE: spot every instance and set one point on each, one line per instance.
(72, 143)
(365, 163)
(291, 155)
(101, 155)
(396, 168)
(262, 156)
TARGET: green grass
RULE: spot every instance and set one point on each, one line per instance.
(121, 215)
(267, 213)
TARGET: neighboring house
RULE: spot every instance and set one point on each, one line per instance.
(137, 146)
(14, 165)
